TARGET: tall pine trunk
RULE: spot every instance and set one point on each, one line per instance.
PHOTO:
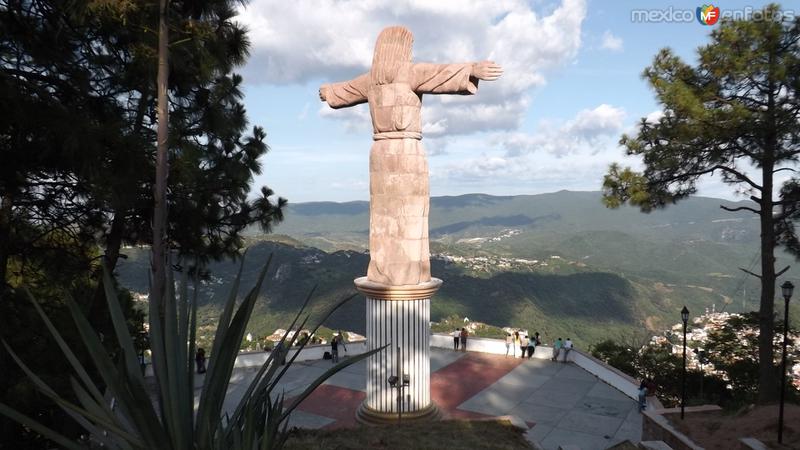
(159, 258)
(767, 381)
(767, 376)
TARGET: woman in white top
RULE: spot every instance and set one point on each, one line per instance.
(523, 345)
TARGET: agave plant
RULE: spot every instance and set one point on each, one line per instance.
(125, 415)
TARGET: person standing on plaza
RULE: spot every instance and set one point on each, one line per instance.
(516, 342)
(508, 343)
(456, 337)
(464, 334)
(567, 348)
(335, 341)
(643, 395)
(556, 349)
(523, 345)
(279, 351)
(200, 360)
(532, 342)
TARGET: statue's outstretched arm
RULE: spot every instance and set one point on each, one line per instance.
(459, 78)
(346, 93)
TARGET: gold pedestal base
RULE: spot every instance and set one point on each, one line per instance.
(381, 291)
(368, 416)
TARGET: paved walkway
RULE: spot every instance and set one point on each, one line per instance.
(561, 403)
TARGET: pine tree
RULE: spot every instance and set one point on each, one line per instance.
(737, 108)
(79, 149)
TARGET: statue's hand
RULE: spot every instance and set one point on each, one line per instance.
(486, 70)
(323, 91)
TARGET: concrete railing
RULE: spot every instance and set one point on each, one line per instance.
(611, 376)
(309, 353)
(494, 346)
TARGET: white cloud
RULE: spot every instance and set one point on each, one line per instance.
(611, 42)
(580, 134)
(331, 40)
(601, 120)
(654, 116)
(570, 171)
(572, 154)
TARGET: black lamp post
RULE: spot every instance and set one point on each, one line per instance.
(685, 318)
(787, 288)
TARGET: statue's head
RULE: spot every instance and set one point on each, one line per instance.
(392, 49)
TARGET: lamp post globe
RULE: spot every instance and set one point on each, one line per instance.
(787, 289)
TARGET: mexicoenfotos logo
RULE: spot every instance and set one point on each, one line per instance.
(707, 14)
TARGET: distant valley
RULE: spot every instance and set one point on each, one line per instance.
(560, 263)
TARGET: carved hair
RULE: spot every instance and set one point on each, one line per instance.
(392, 49)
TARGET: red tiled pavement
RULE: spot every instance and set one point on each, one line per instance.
(334, 402)
(456, 383)
(451, 386)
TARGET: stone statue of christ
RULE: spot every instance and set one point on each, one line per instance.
(399, 186)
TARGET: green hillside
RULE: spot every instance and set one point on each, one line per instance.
(559, 263)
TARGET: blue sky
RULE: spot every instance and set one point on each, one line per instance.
(572, 86)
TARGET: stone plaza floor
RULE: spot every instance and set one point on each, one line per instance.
(561, 403)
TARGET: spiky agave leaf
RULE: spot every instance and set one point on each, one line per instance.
(219, 374)
(259, 421)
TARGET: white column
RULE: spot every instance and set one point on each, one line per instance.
(404, 324)
(399, 318)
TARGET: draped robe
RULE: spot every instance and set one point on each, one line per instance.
(398, 168)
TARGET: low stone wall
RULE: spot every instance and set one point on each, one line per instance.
(489, 345)
(656, 427)
(309, 353)
(622, 382)
(611, 376)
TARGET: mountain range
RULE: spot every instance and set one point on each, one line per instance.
(560, 263)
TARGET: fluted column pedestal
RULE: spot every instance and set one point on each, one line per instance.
(398, 316)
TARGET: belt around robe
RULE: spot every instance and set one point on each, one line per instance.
(397, 135)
